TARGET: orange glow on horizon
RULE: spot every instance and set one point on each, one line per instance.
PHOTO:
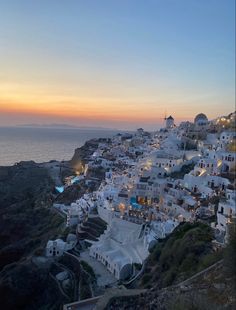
(57, 105)
(91, 111)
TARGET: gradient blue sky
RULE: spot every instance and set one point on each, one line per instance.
(115, 63)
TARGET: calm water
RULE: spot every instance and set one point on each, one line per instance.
(43, 144)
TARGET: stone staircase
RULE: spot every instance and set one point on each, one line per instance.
(92, 229)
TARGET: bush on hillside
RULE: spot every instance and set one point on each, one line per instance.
(230, 255)
(183, 253)
(88, 268)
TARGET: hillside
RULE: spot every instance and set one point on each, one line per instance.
(183, 272)
(185, 252)
(26, 223)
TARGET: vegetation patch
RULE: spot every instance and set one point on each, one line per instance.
(84, 287)
(184, 170)
(138, 266)
(183, 253)
(88, 268)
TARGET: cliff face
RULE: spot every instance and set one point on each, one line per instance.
(82, 154)
(26, 223)
(26, 286)
(96, 175)
(22, 181)
(25, 215)
(71, 193)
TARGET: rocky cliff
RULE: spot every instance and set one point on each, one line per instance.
(26, 223)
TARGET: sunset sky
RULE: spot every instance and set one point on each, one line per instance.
(115, 63)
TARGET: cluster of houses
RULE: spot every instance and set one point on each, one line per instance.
(156, 180)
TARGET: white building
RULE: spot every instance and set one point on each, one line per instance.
(228, 161)
(226, 212)
(227, 137)
(201, 122)
(125, 243)
(217, 181)
(121, 245)
(56, 248)
(169, 122)
(209, 165)
(78, 210)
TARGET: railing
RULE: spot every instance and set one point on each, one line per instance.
(137, 276)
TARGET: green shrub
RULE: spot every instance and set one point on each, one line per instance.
(84, 288)
(169, 277)
(188, 262)
(146, 278)
(187, 250)
(138, 266)
(230, 254)
(88, 268)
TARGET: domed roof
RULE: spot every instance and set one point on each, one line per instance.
(200, 117)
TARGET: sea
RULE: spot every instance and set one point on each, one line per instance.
(44, 144)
